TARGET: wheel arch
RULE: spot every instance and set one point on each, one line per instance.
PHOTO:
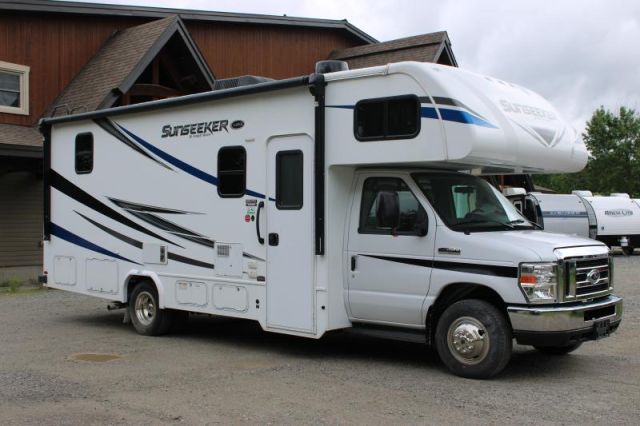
(455, 292)
(135, 277)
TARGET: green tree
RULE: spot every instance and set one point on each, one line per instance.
(613, 141)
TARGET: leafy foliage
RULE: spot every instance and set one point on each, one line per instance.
(614, 153)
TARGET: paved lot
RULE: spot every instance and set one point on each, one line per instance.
(230, 372)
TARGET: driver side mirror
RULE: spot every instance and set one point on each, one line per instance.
(388, 209)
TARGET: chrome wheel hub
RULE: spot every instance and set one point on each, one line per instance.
(145, 308)
(468, 340)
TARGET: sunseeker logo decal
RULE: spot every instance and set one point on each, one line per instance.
(527, 110)
(204, 128)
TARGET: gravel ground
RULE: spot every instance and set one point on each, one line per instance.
(221, 371)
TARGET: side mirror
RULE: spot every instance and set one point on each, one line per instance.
(388, 209)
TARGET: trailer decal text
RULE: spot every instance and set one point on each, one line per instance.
(195, 129)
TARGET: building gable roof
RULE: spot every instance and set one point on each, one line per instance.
(432, 47)
(117, 65)
(185, 14)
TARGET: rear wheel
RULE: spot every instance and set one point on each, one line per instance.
(559, 350)
(147, 317)
(473, 339)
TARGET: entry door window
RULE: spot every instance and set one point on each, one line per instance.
(289, 180)
(412, 219)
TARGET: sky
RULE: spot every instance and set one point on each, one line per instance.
(579, 54)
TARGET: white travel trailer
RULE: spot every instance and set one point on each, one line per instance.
(326, 202)
(616, 219)
(560, 213)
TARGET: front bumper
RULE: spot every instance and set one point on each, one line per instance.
(564, 324)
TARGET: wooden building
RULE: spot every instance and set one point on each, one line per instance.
(61, 57)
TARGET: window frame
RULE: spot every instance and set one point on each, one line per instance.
(75, 152)
(244, 172)
(385, 125)
(22, 71)
(366, 231)
(279, 154)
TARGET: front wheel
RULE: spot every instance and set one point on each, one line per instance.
(473, 339)
(146, 316)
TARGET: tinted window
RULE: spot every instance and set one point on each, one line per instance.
(289, 179)
(84, 153)
(9, 89)
(232, 170)
(389, 118)
(412, 219)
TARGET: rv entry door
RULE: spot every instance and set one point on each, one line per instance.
(289, 239)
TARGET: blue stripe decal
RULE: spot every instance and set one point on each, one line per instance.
(428, 112)
(69, 236)
(181, 164)
(446, 114)
(463, 117)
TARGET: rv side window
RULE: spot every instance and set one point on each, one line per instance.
(289, 180)
(411, 218)
(84, 153)
(232, 171)
(388, 118)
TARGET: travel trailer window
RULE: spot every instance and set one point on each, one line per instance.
(232, 171)
(289, 175)
(84, 153)
(412, 219)
(468, 203)
(387, 118)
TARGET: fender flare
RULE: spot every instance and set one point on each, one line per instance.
(136, 273)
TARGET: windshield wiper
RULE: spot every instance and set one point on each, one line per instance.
(474, 221)
(511, 222)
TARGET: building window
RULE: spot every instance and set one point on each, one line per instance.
(232, 171)
(289, 180)
(387, 118)
(14, 88)
(84, 153)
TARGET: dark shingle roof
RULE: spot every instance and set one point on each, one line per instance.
(25, 137)
(49, 6)
(113, 64)
(423, 48)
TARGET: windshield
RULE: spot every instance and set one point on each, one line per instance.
(468, 203)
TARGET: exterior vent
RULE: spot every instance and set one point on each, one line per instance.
(223, 250)
(323, 67)
(245, 80)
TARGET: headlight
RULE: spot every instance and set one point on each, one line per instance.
(539, 282)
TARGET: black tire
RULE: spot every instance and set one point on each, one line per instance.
(146, 316)
(559, 350)
(628, 250)
(482, 335)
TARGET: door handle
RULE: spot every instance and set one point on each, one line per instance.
(274, 239)
(260, 206)
(353, 263)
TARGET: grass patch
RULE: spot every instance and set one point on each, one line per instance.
(17, 286)
(12, 284)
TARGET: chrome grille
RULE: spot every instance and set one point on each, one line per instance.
(587, 277)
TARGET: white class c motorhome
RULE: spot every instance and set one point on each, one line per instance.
(326, 202)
